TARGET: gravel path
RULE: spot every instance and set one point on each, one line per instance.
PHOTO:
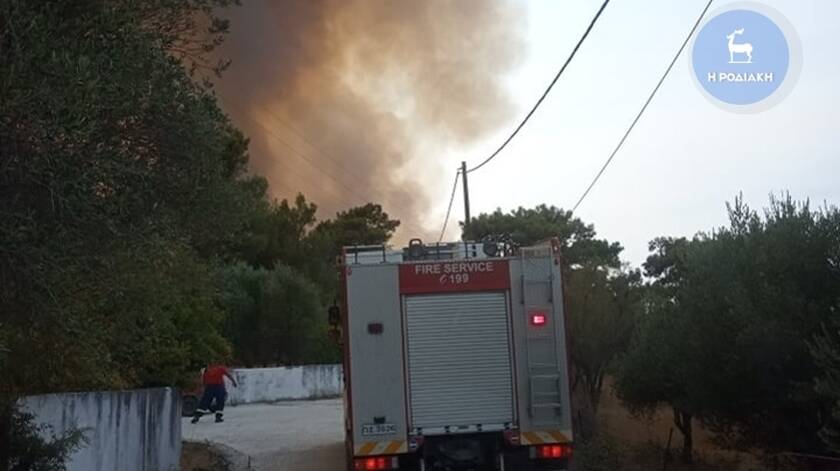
(285, 436)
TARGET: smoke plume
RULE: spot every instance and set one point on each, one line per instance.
(350, 101)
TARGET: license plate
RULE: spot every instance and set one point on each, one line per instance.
(379, 429)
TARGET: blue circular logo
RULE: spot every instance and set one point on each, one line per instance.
(741, 58)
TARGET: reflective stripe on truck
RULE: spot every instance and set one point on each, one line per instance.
(389, 447)
(545, 436)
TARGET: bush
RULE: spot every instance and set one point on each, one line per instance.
(274, 316)
(29, 450)
(599, 452)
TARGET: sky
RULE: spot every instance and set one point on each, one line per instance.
(686, 157)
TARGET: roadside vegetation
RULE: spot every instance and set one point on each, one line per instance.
(135, 245)
(734, 330)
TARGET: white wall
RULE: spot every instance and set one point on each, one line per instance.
(136, 430)
(277, 384)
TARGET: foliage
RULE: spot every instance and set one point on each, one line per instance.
(277, 232)
(826, 351)
(599, 452)
(275, 316)
(726, 338)
(29, 450)
(117, 192)
(657, 369)
(189, 30)
(289, 233)
(529, 226)
(603, 310)
(602, 300)
(362, 225)
(126, 202)
(4, 350)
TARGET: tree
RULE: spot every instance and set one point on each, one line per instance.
(118, 194)
(292, 258)
(655, 372)
(361, 225)
(728, 340)
(529, 226)
(274, 316)
(603, 310)
(825, 348)
(826, 352)
(31, 450)
(602, 300)
(277, 233)
(187, 30)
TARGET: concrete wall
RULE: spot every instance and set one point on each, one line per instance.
(136, 430)
(278, 384)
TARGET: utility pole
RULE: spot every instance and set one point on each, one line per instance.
(466, 198)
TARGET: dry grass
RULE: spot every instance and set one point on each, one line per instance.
(639, 442)
(202, 457)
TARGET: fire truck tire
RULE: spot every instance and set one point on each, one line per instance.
(410, 462)
(518, 460)
(189, 404)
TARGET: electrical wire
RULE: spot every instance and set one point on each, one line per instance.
(309, 160)
(545, 93)
(641, 111)
(285, 122)
(297, 152)
(449, 208)
(346, 171)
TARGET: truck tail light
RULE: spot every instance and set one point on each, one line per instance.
(555, 451)
(376, 463)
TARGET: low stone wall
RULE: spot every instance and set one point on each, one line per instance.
(137, 430)
(285, 383)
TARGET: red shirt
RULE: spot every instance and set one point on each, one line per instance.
(215, 374)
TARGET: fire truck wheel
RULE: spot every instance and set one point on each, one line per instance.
(189, 404)
(410, 462)
(517, 460)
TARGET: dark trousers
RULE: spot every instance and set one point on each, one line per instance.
(213, 398)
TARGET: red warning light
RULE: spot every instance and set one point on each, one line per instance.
(538, 319)
(374, 463)
(554, 451)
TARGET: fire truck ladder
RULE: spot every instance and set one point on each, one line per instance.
(541, 353)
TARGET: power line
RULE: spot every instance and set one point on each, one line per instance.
(363, 181)
(297, 152)
(312, 145)
(348, 171)
(545, 93)
(639, 115)
(449, 209)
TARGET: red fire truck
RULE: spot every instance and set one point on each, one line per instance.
(455, 357)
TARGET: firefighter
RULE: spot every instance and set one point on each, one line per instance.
(213, 399)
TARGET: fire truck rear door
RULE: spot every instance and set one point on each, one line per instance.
(459, 362)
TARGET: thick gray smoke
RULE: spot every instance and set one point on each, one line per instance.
(338, 96)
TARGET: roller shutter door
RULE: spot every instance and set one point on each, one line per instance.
(459, 361)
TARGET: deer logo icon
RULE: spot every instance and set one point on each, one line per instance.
(742, 48)
(764, 60)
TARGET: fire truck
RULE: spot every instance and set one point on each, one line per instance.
(455, 357)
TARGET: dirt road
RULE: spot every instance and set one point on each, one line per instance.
(286, 436)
